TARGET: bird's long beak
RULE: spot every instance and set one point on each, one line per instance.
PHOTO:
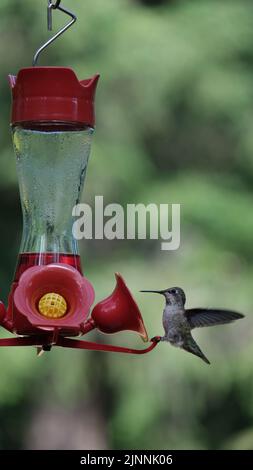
(154, 291)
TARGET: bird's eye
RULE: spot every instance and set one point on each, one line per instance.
(173, 291)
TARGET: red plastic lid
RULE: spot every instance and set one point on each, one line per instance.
(52, 94)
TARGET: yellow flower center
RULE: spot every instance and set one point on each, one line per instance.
(52, 305)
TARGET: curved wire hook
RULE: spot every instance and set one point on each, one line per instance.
(54, 6)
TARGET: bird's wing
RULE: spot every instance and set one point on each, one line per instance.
(199, 317)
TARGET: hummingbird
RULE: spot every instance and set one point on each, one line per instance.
(178, 321)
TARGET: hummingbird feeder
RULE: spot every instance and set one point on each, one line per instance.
(52, 125)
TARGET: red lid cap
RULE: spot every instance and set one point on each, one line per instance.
(52, 94)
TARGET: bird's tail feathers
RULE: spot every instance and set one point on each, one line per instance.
(191, 346)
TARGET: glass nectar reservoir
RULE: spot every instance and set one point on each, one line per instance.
(52, 154)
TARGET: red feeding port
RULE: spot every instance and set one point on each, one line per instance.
(59, 279)
(119, 312)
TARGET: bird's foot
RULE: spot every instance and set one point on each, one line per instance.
(156, 339)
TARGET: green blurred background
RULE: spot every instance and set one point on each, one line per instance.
(174, 124)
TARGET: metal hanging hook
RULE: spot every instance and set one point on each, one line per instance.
(54, 6)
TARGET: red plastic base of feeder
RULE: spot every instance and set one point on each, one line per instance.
(51, 303)
(46, 343)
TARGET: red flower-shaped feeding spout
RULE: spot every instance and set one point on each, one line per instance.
(119, 312)
(67, 296)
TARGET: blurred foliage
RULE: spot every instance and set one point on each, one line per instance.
(174, 124)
